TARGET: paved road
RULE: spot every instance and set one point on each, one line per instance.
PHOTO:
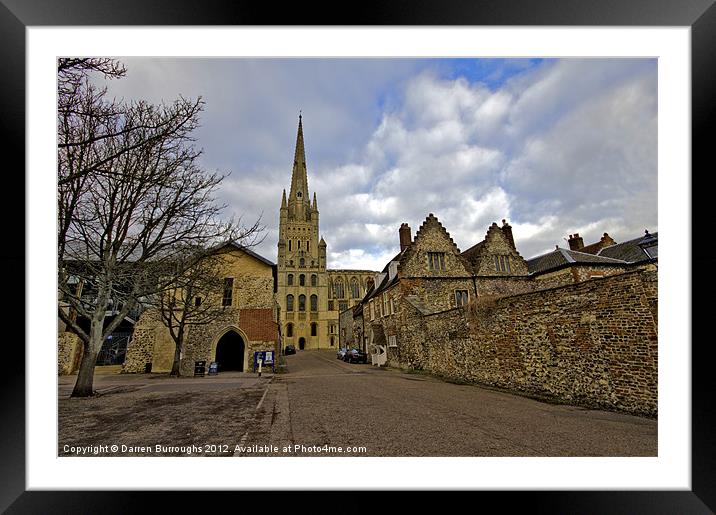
(323, 401)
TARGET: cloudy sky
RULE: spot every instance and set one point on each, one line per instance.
(554, 146)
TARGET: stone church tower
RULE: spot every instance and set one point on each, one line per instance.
(309, 301)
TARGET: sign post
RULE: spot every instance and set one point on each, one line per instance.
(264, 358)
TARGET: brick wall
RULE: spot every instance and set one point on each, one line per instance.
(592, 343)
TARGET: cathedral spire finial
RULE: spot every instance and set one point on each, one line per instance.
(299, 179)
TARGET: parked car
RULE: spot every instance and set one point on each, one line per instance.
(290, 349)
(342, 353)
(356, 356)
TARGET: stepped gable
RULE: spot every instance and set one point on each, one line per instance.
(431, 219)
(498, 241)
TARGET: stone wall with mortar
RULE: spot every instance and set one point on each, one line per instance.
(593, 343)
(69, 353)
(575, 274)
(141, 346)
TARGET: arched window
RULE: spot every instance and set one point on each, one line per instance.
(301, 262)
(290, 279)
(289, 330)
(354, 288)
(302, 280)
(314, 302)
(289, 245)
(314, 280)
(330, 288)
(314, 329)
(289, 302)
(308, 248)
(369, 284)
(340, 290)
(302, 303)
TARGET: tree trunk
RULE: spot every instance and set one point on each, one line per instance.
(85, 376)
(84, 387)
(179, 343)
(177, 360)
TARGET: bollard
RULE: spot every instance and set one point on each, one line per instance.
(260, 362)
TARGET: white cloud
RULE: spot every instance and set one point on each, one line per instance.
(566, 146)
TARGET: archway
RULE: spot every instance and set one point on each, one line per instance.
(230, 352)
(301, 343)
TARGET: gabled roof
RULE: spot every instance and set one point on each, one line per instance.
(473, 251)
(384, 285)
(245, 250)
(560, 258)
(630, 251)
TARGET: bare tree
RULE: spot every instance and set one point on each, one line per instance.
(133, 204)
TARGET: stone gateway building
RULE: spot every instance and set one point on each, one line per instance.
(310, 296)
(247, 322)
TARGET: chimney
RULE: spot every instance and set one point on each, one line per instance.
(507, 231)
(607, 241)
(576, 242)
(405, 238)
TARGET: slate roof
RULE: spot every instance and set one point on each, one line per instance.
(630, 251)
(384, 285)
(560, 258)
(475, 250)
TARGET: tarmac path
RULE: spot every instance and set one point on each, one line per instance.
(325, 407)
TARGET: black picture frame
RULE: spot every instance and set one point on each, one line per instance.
(700, 15)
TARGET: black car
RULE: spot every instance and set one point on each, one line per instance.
(290, 349)
(356, 356)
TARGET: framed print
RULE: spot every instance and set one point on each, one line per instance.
(670, 47)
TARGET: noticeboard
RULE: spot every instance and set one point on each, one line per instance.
(266, 357)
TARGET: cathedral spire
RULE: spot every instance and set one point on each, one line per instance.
(315, 202)
(299, 179)
(283, 199)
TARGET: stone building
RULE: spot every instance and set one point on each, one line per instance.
(568, 325)
(603, 258)
(431, 275)
(248, 321)
(310, 296)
